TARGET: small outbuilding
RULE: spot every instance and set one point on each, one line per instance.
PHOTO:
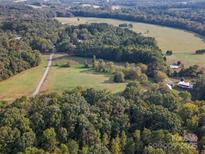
(185, 85)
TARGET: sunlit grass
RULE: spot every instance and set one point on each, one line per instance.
(22, 84)
(64, 78)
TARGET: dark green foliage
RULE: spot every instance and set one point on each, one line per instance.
(119, 77)
(198, 91)
(92, 121)
(202, 51)
(112, 43)
(22, 32)
(192, 71)
(169, 52)
(41, 44)
(15, 56)
(67, 64)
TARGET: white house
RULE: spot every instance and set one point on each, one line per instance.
(185, 85)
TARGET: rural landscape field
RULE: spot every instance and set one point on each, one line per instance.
(61, 78)
(22, 84)
(181, 42)
(102, 77)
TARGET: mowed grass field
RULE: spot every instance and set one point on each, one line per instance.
(183, 43)
(63, 78)
(22, 84)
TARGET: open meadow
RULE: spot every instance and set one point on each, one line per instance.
(22, 84)
(183, 43)
(64, 78)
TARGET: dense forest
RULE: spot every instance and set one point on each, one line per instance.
(139, 120)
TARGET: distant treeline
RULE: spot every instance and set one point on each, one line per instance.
(187, 18)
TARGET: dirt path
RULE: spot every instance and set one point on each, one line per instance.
(38, 88)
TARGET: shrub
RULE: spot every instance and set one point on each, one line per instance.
(143, 67)
(67, 64)
(160, 76)
(169, 52)
(119, 77)
(132, 74)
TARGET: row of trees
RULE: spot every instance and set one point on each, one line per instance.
(129, 72)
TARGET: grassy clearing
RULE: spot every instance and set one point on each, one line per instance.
(188, 59)
(61, 78)
(22, 84)
(183, 43)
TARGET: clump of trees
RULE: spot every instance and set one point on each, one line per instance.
(125, 25)
(201, 51)
(160, 76)
(169, 52)
(192, 71)
(119, 77)
(111, 43)
(122, 73)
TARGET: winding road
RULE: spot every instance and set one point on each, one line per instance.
(38, 88)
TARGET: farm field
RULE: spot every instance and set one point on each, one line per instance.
(64, 78)
(22, 84)
(183, 43)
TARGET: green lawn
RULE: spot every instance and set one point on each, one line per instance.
(183, 43)
(60, 79)
(22, 84)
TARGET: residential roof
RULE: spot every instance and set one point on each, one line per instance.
(184, 84)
